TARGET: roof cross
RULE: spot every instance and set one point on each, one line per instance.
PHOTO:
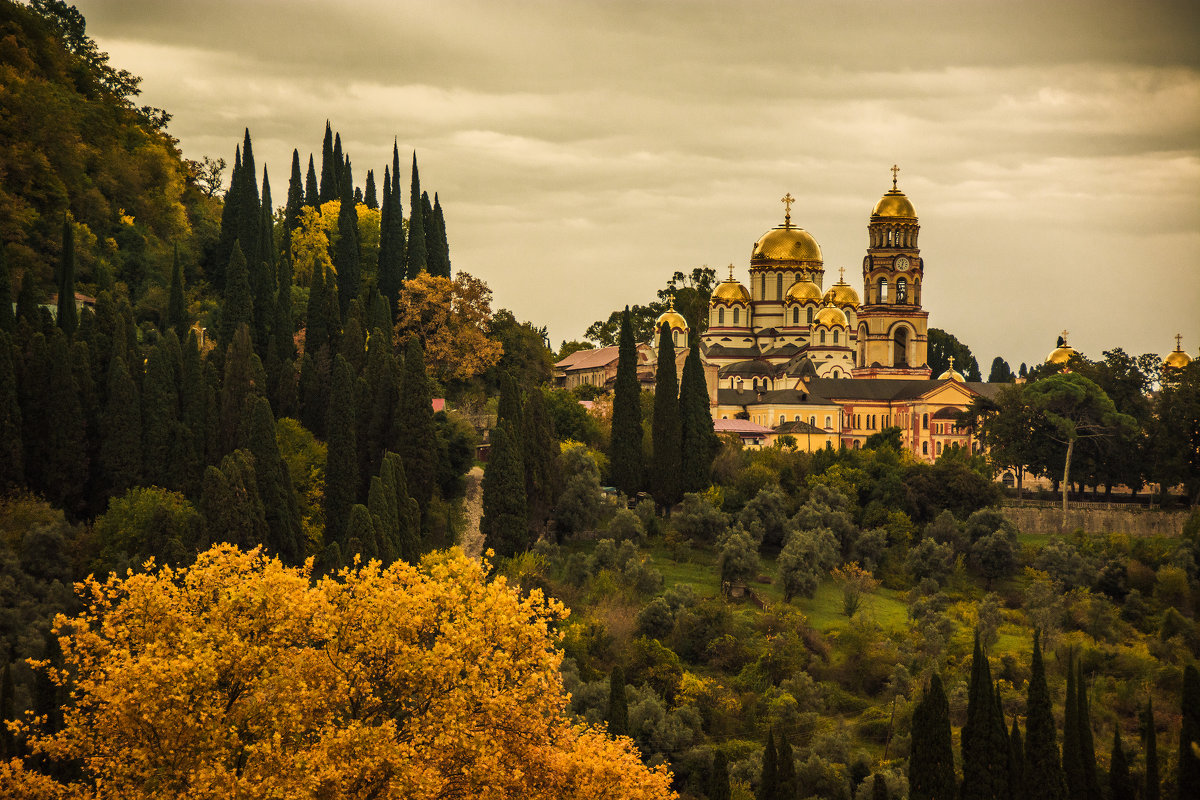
(841, 274)
(1178, 339)
(1064, 337)
(787, 201)
(895, 171)
(731, 272)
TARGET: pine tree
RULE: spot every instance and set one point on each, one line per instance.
(1151, 785)
(700, 441)
(329, 167)
(12, 456)
(8, 320)
(1188, 779)
(121, 440)
(370, 197)
(68, 314)
(408, 513)
(312, 195)
(280, 506)
(618, 707)
(625, 452)
(345, 256)
(341, 463)
(505, 522)
(1087, 745)
(718, 784)
(1044, 779)
(417, 442)
(176, 306)
(931, 760)
(769, 782)
(238, 306)
(417, 256)
(785, 781)
(666, 483)
(1120, 784)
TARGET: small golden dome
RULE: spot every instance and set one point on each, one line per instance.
(843, 295)
(804, 291)
(1178, 358)
(731, 291)
(894, 204)
(1061, 354)
(952, 374)
(830, 316)
(673, 318)
(787, 243)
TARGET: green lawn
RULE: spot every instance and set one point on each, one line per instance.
(824, 609)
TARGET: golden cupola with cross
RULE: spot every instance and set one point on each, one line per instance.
(892, 335)
(781, 257)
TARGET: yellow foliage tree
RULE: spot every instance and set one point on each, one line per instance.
(310, 246)
(450, 317)
(239, 677)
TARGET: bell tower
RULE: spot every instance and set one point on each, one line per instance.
(892, 327)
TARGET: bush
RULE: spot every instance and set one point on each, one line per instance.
(766, 516)
(579, 505)
(930, 559)
(148, 522)
(656, 620)
(870, 548)
(805, 560)
(1065, 565)
(699, 520)
(626, 526)
(738, 562)
(1171, 588)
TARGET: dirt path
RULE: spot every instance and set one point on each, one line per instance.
(471, 540)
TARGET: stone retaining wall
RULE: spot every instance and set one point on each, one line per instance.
(1134, 521)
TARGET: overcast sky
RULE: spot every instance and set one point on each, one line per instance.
(583, 152)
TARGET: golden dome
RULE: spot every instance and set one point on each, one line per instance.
(894, 204)
(1177, 359)
(804, 291)
(830, 316)
(952, 374)
(1060, 355)
(731, 292)
(673, 318)
(787, 243)
(843, 295)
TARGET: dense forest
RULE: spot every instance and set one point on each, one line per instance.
(229, 515)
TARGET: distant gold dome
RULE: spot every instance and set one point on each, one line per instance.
(804, 291)
(673, 319)
(894, 204)
(1177, 359)
(952, 374)
(787, 243)
(830, 316)
(843, 295)
(731, 291)
(1060, 355)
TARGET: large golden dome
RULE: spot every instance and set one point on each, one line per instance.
(787, 243)
(830, 316)
(1060, 355)
(843, 295)
(804, 291)
(673, 318)
(1178, 358)
(731, 291)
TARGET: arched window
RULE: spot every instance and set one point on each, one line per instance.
(822, 337)
(924, 448)
(735, 317)
(756, 384)
(810, 315)
(883, 290)
(900, 354)
(812, 420)
(835, 337)
(720, 316)
(901, 290)
(675, 338)
(925, 422)
(939, 448)
(764, 287)
(828, 421)
(796, 316)
(779, 286)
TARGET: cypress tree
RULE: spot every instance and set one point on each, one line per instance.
(391, 238)
(1151, 785)
(317, 331)
(33, 388)
(12, 456)
(370, 198)
(66, 465)
(1189, 735)
(160, 419)
(408, 513)
(249, 219)
(329, 184)
(352, 346)
(1120, 784)
(242, 383)
(1071, 755)
(443, 245)
(230, 212)
(68, 314)
(341, 462)
(377, 422)
(382, 504)
(229, 502)
(931, 760)
(237, 309)
(8, 320)
(339, 165)
(27, 300)
(295, 203)
(618, 707)
(284, 328)
(625, 451)
(785, 780)
(417, 256)
(361, 536)
(718, 784)
(1087, 745)
(700, 441)
(1044, 779)
(280, 505)
(121, 440)
(176, 306)
(314, 391)
(505, 522)
(769, 782)
(666, 484)
(345, 256)
(984, 755)
(417, 442)
(379, 316)
(1016, 762)
(312, 195)
(263, 281)
(193, 413)
(541, 457)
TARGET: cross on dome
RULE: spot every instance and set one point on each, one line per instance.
(1064, 337)
(841, 274)
(787, 201)
(895, 171)
(951, 362)
(1178, 340)
(731, 272)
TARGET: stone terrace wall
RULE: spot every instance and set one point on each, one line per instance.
(1039, 517)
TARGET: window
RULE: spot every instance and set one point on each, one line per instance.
(925, 422)
(856, 444)
(675, 338)
(822, 337)
(900, 349)
(735, 317)
(779, 287)
(720, 316)
(795, 316)
(939, 448)
(901, 290)
(828, 421)
(810, 313)
(835, 337)
(883, 290)
(764, 287)
(812, 421)
(924, 448)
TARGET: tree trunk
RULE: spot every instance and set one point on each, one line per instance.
(1066, 484)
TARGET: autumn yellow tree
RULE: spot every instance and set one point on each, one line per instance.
(450, 317)
(310, 247)
(239, 677)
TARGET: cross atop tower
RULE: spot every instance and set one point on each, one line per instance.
(841, 274)
(731, 272)
(1064, 337)
(787, 201)
(895, 171)
(951, 363)
(1178, 339)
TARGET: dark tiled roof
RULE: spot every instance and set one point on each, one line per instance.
(749, 397)
(878, 389)
(751, 367)
(788, 349)
(721, 351)
(796, 426)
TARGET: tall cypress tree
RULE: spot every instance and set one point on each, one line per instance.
(769, 782)
(193, 413)
(176, 306)
(1151, 785)
(417, 442)
(68, 314)
(230, 212)
(329, 168)
(345, 256)
(391, 241)
(249, 218)
(408, 513)
(382, 505)
(505, 522)
(1120, 784)
(541, 457)
(33, 389)
(618, 706)
(283, 329)
(295, 203)
(12, 456)
(243, 382)
(341, 463)
(984, 754)
(666, 483)
(699, 439)
(718, 784)
(8, 320)
(160, 419)
(431, 246)
(1189, 735)
(314, 390)
(229, 502)
(339, 164)
(377, 421)
(312, 195)
(1016, 762)
(370, 197)
(417, 255)
(66, 465)
(121, 431)
(443, 244)
(785, 781)
(1044, 779)
(237, 308)
(1071, 757)
(625, 451)
(263, 281)
(317, 331)
(931, 760)
(1087, 745)
(280, 505)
